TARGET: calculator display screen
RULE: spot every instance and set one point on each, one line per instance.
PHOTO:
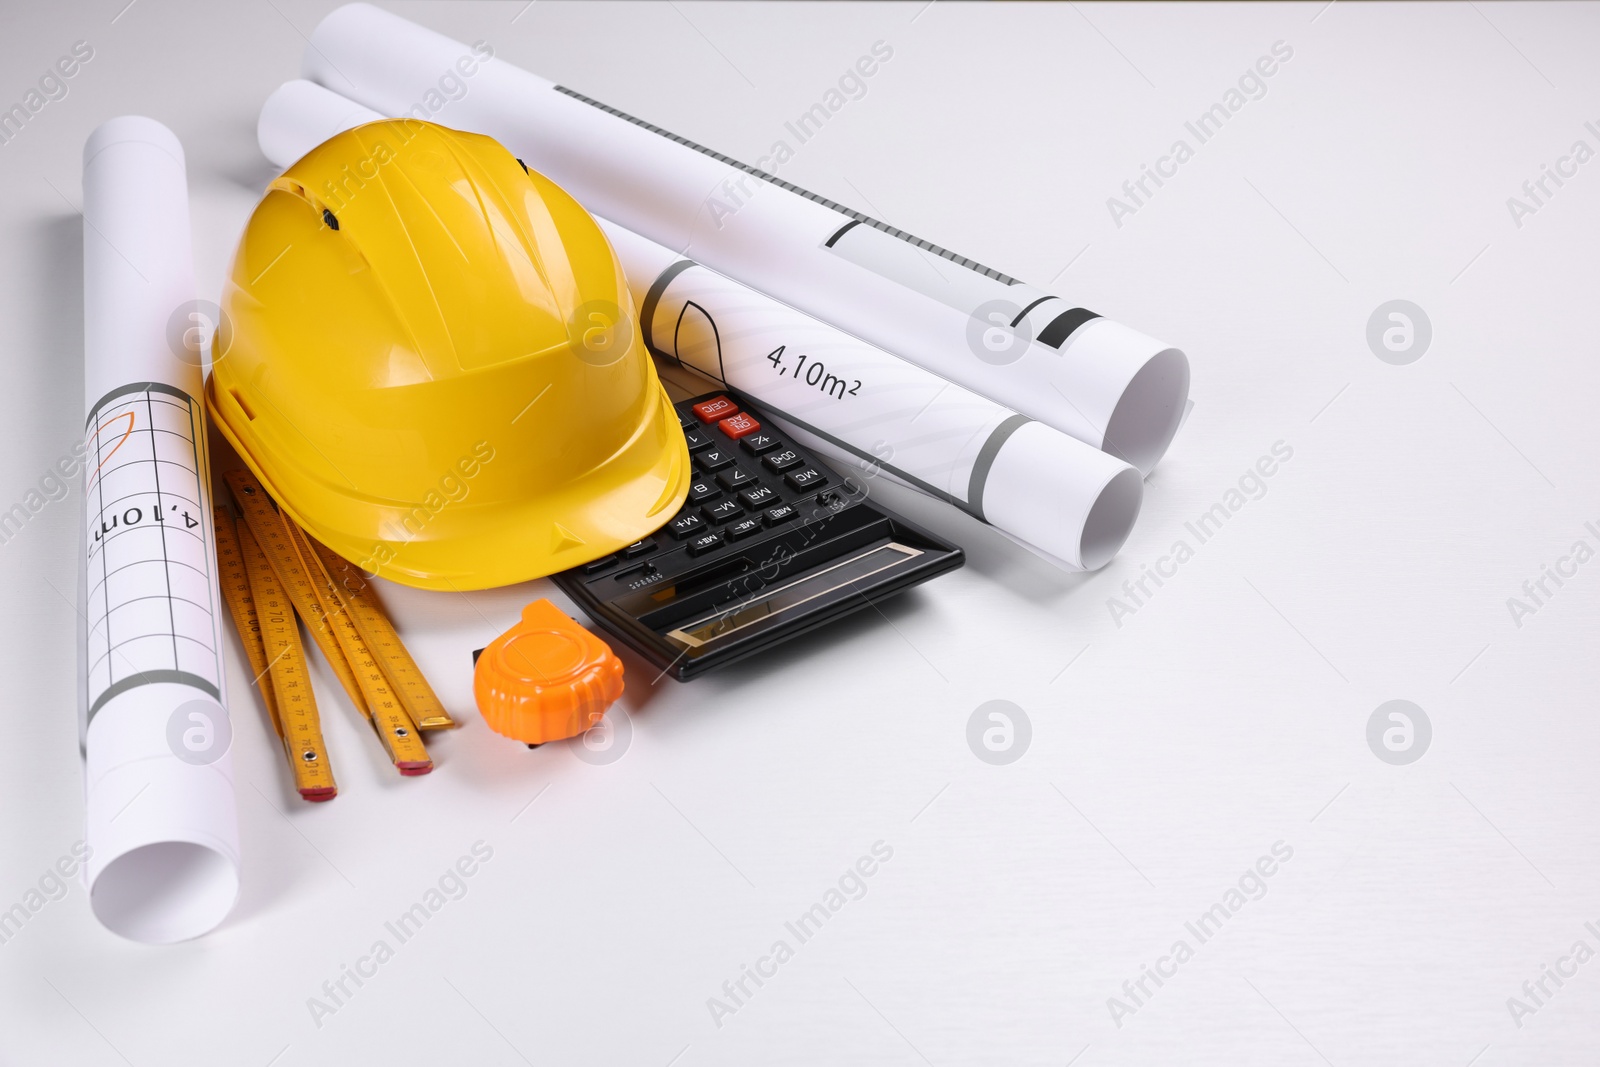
(774, 602)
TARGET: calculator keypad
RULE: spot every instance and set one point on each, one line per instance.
(761, 514)
(747, 480)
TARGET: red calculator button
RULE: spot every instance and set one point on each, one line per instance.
(718, 407)
(739, 425)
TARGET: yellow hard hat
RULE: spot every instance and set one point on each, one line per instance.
(434, 366)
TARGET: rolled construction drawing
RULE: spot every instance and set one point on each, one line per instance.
(1102, 382)
(162, 824)
(852, 402)
(865, 408)
(323, 113)
(299, 115)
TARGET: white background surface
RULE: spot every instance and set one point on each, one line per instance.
(1168, 753)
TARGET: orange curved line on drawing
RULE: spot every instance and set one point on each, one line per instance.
(120, 441)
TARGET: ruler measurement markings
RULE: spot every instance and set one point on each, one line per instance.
(296, 712)
(397, 730)
(235, 582)
(356, 597)
(265, 524)
(397, 733)
(264, 521)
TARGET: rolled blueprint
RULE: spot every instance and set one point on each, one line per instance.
(1100, 381)
(863, 407)
(848, 400)
(324, 113)
(160, 807)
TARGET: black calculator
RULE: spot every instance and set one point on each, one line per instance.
(771, 543)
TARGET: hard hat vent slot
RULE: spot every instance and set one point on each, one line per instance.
(243, 406)
(301, 193)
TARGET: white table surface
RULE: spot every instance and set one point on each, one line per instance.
(1168, 753)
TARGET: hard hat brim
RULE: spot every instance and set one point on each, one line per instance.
(461, 546)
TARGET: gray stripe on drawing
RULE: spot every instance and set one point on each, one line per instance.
(137, 387)
(985, 460)
(134, 681)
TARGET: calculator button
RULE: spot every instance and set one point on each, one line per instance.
(744, 528)
(704, 489)
(759, 497)
(810, 478)
(599, 565)
(719, 407)
(739, 426)
(705, 543)
(781, 514)
(734, 478)
(697, 439)
(685, 420)
(722, 511)
(686, 524)
(639, 548)
(782, 461)
(714, 459)
(757, 443)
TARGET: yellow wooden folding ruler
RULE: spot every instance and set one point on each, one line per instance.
(356, 597)
(355, 635)
(272, 645)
